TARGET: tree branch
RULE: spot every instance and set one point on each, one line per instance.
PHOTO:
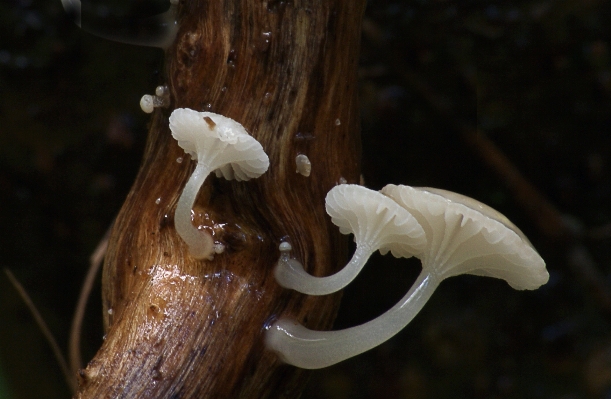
(178, 327)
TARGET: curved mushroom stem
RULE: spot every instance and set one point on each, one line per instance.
(156, 31)
(290, 274)
(200, 243)
(310, 349)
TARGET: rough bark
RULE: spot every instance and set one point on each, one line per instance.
(182, 328)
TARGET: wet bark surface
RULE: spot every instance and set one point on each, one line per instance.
(182, 328)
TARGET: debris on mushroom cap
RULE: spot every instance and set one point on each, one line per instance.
(217, 143)
(377, 222)
(227, 146)
(466, 236)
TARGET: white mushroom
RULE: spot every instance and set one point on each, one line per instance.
(377, 222)
(148, 103)
(215, 142)
(468, 237)
(162, 92)
(464, 236)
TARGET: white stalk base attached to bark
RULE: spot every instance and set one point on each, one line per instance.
(462, 236)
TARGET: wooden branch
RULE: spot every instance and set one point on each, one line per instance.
(177, 327)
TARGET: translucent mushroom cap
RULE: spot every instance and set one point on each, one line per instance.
(375, 220)
(220, 143)
(467, 237)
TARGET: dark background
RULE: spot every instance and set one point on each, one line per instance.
(532, 77)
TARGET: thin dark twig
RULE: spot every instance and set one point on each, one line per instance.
(61, 360)
(74, 344)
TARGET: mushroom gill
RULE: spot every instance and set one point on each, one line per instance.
(463, 236)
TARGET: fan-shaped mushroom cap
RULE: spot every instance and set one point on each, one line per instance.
(466, 236)
(377, 222)
(463, 236)
(219, 143)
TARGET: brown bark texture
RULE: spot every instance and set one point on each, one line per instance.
(182, 328)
